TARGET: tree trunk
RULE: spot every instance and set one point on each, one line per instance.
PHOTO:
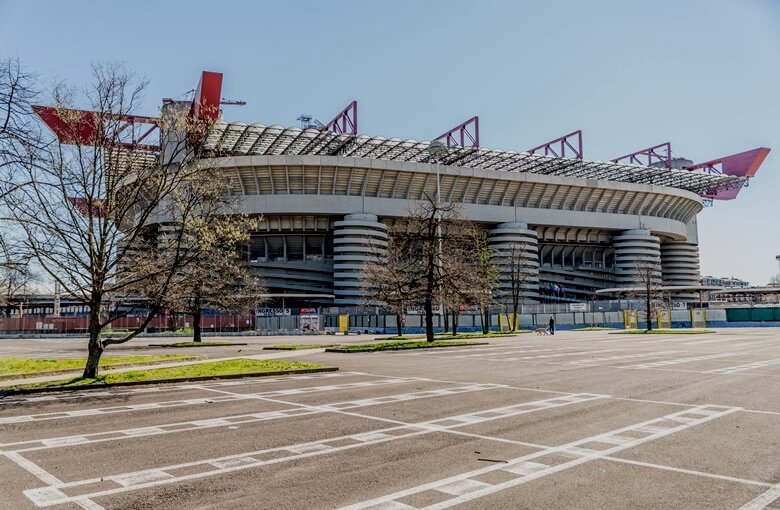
(196, 328)
(486, 321)
(399, 324)
(446, 320)
(455, 317)
(95, 342)
(647, 308)
(428, 319)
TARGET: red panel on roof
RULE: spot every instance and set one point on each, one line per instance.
(744, 164)
(78, 127)
(205, 105)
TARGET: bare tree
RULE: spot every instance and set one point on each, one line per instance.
(16, 274)
(390, 279)
(516, 272)
(427, 230)
(217, 275)
(648, 276)
(19, 133)
(487, 273)
(106, 218)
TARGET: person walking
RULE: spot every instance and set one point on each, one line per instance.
(552, 325)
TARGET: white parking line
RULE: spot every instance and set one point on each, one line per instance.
(168, 388)
(746, 366)
(56, 493)
(193, 401)
(224, 421)
(763, 500)
(529, 467)
(680, 361)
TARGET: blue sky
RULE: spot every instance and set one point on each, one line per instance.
(703, 74)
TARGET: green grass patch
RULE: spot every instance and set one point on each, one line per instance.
(195, 344)
(681, 331)
(15, 366)
(297, 347)
(400, 345)
(184, 372)
(594, 328)
(459, 336)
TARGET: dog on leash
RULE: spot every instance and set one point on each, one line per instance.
(541, 331)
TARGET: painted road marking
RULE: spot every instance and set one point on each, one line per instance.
(45, 496)
(621, 357)
(529, 467)
(193, 401)
(742, 368)
(763, 500)
(183, 426)
(170, 388)
(680, 361)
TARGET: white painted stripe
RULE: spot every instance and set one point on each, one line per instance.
(159, 476)
(178, 427)
(763, 500)
(582, 455)
(680, 361)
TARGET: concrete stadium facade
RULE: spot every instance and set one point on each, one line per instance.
(326, 214)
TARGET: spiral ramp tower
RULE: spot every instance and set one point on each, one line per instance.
(680, 266)
(509, 237)
(358, 239)
(635, 249)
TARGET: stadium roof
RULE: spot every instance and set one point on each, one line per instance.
(240, 139)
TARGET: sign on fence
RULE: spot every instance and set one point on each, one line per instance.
(309, 322)
(273, 312)
(578, 307)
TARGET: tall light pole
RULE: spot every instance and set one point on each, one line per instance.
(437, 150)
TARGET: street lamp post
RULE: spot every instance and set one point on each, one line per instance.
(437, 150)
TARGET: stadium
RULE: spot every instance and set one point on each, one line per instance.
(328, 194)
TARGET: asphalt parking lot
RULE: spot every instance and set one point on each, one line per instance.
(582, 420)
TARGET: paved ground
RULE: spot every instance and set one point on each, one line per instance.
(72, 347)
(578, 420)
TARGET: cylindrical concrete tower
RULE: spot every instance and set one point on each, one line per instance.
(680, 266)
(357, 239)
(516, 240)
(634, 248)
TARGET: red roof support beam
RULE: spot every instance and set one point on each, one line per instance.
(346, 122)
(205, 104)
(744, 164)
(460, 135)
(661, 153)
(558, 147)
(82, 127)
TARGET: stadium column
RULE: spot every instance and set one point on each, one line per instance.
(632, 248)
(502, 240)
(356, 239)
(680, 266)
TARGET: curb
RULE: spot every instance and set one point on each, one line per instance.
(293, 348)
(56, 389)
(351, 351)
(172, 346)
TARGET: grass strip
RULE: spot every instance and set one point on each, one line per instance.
(459, 336)
(12, 367)
(593, 328)
(401, 345)
(297, 347)
(196, 344)
(680, 331)
(213, 369)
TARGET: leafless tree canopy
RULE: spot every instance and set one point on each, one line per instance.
(648, 277)
(105, 219)
(432, 258)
